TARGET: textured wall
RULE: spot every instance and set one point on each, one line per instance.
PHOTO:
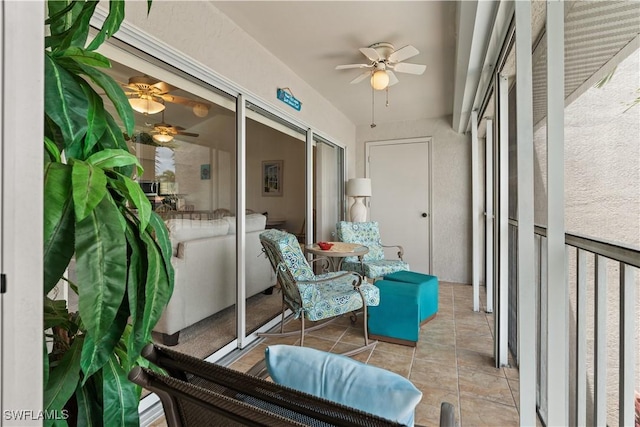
(451, 210)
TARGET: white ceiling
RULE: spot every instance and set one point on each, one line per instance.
(312, 37)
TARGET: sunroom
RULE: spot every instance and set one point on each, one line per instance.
(531, 194)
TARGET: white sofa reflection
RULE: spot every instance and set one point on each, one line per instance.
(204, 259)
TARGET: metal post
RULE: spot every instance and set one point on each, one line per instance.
(526, 247)
(503, 196)
(241, 197)
(581, 340)
(475, 211)
(600, 338)
(557, 366)
(488, 234)
(627, 346)
(309, 225)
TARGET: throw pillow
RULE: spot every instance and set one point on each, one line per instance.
(344, 380)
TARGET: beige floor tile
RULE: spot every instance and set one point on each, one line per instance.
(432, 352)
(514, 385)
(484, 386)
(160, 422)
(513, 373)
(398, 349)
(444, 376)
(318, 343)
(478, 413)
(437, 336)
(428, 410)
(481, 328)
(474, 342)
(398, 363)
(333, 331)
(478, 361)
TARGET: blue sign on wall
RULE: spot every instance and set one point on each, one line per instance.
(289, 99)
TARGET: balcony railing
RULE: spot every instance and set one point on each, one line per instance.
(603, 312)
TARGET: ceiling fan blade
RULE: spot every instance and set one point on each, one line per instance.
(392, 78)
(183, 101)
(348, 66)
(405, 67)
(361, 77)
(195, 135)
(164, 87)
(403, 53)
(371, 53)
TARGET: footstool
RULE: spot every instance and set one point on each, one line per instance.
(407, 301)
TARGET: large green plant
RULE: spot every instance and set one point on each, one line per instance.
(96, 213)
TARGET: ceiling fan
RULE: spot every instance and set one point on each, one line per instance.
(385, 59)
(147, 95)
(164, 132)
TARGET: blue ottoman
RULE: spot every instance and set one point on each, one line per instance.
(404, 306)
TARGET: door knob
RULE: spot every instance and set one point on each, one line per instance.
(424, 215)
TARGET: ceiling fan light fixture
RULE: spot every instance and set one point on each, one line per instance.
(379, 80)
(162, 137)
(146, 105)
(200, 110)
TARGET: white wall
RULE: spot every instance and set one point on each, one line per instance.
(222, 46)
(451, 210)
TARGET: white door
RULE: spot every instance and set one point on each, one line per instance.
(400, 182)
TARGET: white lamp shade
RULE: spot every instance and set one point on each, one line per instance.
(380, 80)
(162, 137)
(359, 187)
(146, 105)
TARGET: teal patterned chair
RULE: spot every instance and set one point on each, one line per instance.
(323, 297)
(373, 264)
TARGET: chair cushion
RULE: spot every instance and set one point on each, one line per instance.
(344, 380)
(364, 233)
(334, 297)
(291, 253)
(375, 269)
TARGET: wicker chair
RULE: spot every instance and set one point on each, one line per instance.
(322, 297)
(199, 393)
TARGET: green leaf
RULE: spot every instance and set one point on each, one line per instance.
(87, 57)
(149, 6)
(158, 285)
(76, 34)
(135, 338)
(96, 122)
(52, 150)
(139, 200)
(45, 361)
(62, 14)
(115, 94)
(89, 399)
(96, 351)
(64, 378)
(120, 397)
(59, 222)
(163, 240)
(55, 313)
(112, 158)
(89, 188)
(111, 24)
(101, 266)
(65, 104)
(112, 137)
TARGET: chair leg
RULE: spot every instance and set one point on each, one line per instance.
(302, 331)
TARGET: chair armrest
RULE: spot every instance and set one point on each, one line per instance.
(356, 282)
(400, 250)
(325, 266)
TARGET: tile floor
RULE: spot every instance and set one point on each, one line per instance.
(452, 361)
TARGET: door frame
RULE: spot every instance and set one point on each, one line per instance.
(429, 141)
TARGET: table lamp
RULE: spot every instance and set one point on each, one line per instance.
(358, 188)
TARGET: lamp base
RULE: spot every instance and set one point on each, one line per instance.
(358, 210)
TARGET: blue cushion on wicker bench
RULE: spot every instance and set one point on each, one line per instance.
(344, 380)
